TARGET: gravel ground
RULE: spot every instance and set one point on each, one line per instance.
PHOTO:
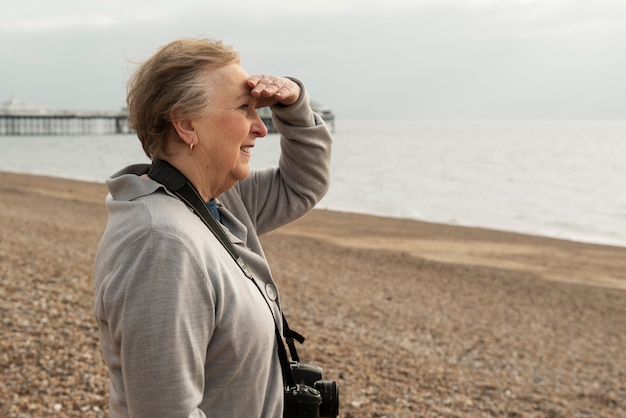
(411, 319)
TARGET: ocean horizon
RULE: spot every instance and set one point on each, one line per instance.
(560, 179)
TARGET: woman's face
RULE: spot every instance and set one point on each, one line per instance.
(227, 132)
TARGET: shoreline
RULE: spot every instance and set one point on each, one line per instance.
(572, 260)
(605, 241)
(410, 318)
(563, 237)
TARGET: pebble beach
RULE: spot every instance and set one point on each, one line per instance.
(412, 319)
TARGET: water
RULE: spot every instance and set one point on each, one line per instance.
(559, 179)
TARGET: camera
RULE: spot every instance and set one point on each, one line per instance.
(312, 396)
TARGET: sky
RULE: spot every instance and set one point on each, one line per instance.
(364, 59)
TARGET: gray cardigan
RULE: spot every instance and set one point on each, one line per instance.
(183, 332)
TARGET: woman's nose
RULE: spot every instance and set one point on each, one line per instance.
(258, 128)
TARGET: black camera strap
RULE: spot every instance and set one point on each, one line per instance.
(177, 183)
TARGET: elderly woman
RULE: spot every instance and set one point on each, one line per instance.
(186, 331)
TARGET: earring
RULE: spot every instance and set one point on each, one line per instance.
(190, 148)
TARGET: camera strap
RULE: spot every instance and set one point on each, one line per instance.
(177, 183)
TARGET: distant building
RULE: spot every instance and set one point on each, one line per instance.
(14, 107)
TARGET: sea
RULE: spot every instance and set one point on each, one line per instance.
(562, 179)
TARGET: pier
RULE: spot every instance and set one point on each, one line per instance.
(63, 123)
(19, 120)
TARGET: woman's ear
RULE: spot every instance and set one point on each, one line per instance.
(185, 131)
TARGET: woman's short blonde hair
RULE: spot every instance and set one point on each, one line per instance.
(172, 85)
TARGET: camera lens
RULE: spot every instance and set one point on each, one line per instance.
(330, 398)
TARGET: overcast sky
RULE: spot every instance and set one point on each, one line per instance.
(376, 59)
